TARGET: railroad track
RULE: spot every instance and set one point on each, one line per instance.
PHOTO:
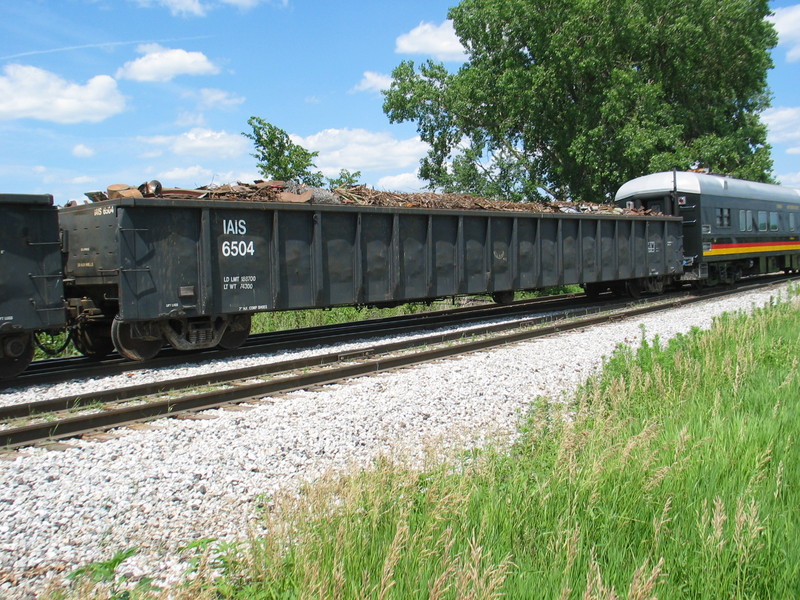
(140, 403)
(48, 372)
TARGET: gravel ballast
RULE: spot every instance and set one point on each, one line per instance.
(176, 481)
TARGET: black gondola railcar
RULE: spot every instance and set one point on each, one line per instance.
(31, 292)
(191, 272)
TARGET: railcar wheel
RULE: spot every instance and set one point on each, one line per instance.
(236, 333)
(93, 340)
(132, 347)
(505, 297)
(16, 354)
(656, 286)
(633, 288)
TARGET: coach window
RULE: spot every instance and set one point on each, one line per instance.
(723, 217)
(773, 221)
(792, 224)
(762, 220)
(745, 220)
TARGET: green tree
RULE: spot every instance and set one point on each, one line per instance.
(280, 158)
(574, 97)
(345, 178)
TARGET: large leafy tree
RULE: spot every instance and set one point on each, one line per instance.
(574, 97)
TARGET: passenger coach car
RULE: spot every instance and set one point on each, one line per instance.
(731, 227)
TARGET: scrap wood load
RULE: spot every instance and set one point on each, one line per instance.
(279, 191)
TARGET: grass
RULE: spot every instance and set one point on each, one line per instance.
(672, 474)
(296, 319)
(56, 344)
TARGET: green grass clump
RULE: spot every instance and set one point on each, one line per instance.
(55, 345)
(297, 319)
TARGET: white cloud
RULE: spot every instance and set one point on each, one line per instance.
(210, 143)
(179, 7)
(195, 175)
(234, 176)
(373, 82)
(210, 98)
(82, 151)
(196, 8)
(163, 64)
(199, 142)
(188, 119)
(362, 150)
(247, 4)
(404, 182)
(151, 153)
(790, 179)
(80, 180)
(787, 24)
(439, 41)
(32, 93)
(783, 124)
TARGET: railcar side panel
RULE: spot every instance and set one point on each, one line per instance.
(336, 271)
(570, 249)
(239, 251)
(294, 258)
(527, 253)
(589, 249)
(502, 265)
(414, 264)
(445, 255)
(609, 257)
(377, 250)
(550, 257)
(160, 264)
(476, 269)
(625, 257)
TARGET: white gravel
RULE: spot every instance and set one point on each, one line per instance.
(183, 480)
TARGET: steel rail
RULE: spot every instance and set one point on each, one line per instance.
(57, 370)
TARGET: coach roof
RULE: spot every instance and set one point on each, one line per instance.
(702, 183)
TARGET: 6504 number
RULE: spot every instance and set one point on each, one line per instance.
(238, 248)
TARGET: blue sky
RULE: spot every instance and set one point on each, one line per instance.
(97, 92)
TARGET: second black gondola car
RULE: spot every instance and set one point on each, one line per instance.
(31, 291)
